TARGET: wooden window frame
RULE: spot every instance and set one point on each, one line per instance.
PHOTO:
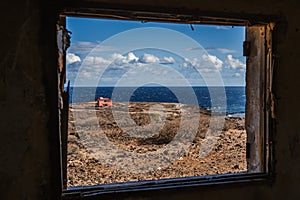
(259, 106)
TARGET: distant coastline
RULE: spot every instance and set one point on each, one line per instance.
(233, 106)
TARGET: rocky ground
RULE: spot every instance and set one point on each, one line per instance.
(147, 141)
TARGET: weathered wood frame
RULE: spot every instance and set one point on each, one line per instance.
(258, 94)
(259, 103)
(62, 45)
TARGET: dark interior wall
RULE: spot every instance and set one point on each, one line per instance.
(28, 101)
(29, 153)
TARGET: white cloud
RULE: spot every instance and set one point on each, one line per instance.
(96, 60)
(214, 60)
(236, 75)
(117, 56)
(115, 65)
(223, 50)
(85, 44)
(195, 49)
(121, 60)
(100, 60)
(72, 58)
(84, 48)
(234, 63)
(132, 57)
(222, 27)
(148, 58)
(167, 60)
(206, 63)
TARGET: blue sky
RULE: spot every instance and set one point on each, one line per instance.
(126, 53)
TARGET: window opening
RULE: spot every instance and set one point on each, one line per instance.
(153, 93)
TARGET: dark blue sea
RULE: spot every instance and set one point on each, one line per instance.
(232, 100)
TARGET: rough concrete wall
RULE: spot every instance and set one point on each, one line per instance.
(29, 154)
(27, 130)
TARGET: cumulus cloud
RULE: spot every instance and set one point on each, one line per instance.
(132, 57)
(116, 65)
(205, 63)
(214, 60)
(96, 60)
(148, 58)
(167, 60)
(72, 58)
(234, 63)
(121, 60)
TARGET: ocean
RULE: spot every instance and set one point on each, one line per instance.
(232, 100)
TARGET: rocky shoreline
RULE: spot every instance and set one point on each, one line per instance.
(150, 141)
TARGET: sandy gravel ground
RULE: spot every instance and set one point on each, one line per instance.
(147, 141)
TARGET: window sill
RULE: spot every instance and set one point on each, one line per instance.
(83, 192)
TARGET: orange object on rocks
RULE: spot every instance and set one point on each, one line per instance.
(102, 102)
